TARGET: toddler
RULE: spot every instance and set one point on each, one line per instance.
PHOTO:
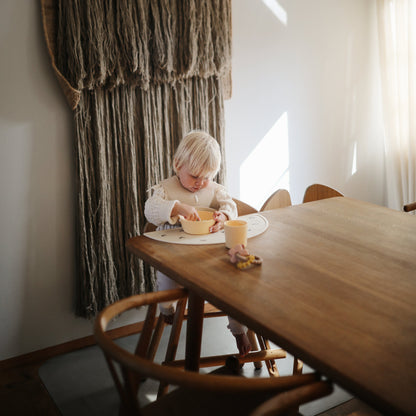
(196, 162)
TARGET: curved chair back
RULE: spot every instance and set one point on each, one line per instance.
(149, 227)
(243, 208)
(278, 199)
(409, 207)
(135, 366)
(317, 191)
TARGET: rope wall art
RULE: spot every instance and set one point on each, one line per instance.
(138, 75)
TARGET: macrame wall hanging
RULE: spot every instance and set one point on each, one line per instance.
(138, 75)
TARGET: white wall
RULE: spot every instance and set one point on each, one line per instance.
(36, 220)
(37, 231)
(319, 69)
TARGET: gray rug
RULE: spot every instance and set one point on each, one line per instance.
(81, 385)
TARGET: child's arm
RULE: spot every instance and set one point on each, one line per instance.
(227, 208)
(158, 208)
(187, 211)
(219, 218)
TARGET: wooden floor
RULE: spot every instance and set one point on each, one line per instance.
(23, 393)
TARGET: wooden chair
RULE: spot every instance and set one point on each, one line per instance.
(149, 227)
(218, 393)
(287, 402)
(409, 207)
(243, 208)
(317, 191)
(278, 199)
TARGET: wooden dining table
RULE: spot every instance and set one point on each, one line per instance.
(337, 289)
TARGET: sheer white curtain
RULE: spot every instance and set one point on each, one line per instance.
(397, 43)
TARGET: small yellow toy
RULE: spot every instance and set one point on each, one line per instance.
(242, 258)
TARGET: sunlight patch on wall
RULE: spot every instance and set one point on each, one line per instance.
(266, 169)
(277, 10)
(354, 160)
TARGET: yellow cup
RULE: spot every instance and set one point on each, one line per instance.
(235, 233)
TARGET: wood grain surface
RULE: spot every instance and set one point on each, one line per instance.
(337, 288)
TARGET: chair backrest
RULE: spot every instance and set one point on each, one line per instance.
(148, 227)
(243, 208)
(409, 207)
(317, 191)
(136, 366)
(283, 404)
(278, 199)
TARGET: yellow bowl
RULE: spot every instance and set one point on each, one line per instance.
(199, 227)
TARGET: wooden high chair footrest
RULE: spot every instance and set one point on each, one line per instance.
(212, 361)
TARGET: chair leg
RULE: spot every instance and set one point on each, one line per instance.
(146, 334)
(270, 364)
(297, 366)
(144, 338)
(255, 347)
(173, 340)
(155, 341)
(130, 404)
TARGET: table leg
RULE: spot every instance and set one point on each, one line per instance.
(194, 331)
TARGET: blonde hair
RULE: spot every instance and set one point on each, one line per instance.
(200, 153)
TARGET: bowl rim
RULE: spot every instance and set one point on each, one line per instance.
(203, 223)
(181, 218)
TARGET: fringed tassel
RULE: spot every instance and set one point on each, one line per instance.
(147, 72)
(106, 43)
(121, 151)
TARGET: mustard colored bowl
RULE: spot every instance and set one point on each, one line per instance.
(199, 227)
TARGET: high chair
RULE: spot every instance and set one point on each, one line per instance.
(261, 349)
(222, 392)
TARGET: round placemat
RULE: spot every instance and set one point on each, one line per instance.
(257, 224)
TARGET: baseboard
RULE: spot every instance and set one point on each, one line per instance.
(40, 356)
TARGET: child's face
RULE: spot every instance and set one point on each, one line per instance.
(190, 182)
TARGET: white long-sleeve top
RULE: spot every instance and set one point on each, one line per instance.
(159, 205)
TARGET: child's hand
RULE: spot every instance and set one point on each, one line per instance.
(220, 219)
(187, 211)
